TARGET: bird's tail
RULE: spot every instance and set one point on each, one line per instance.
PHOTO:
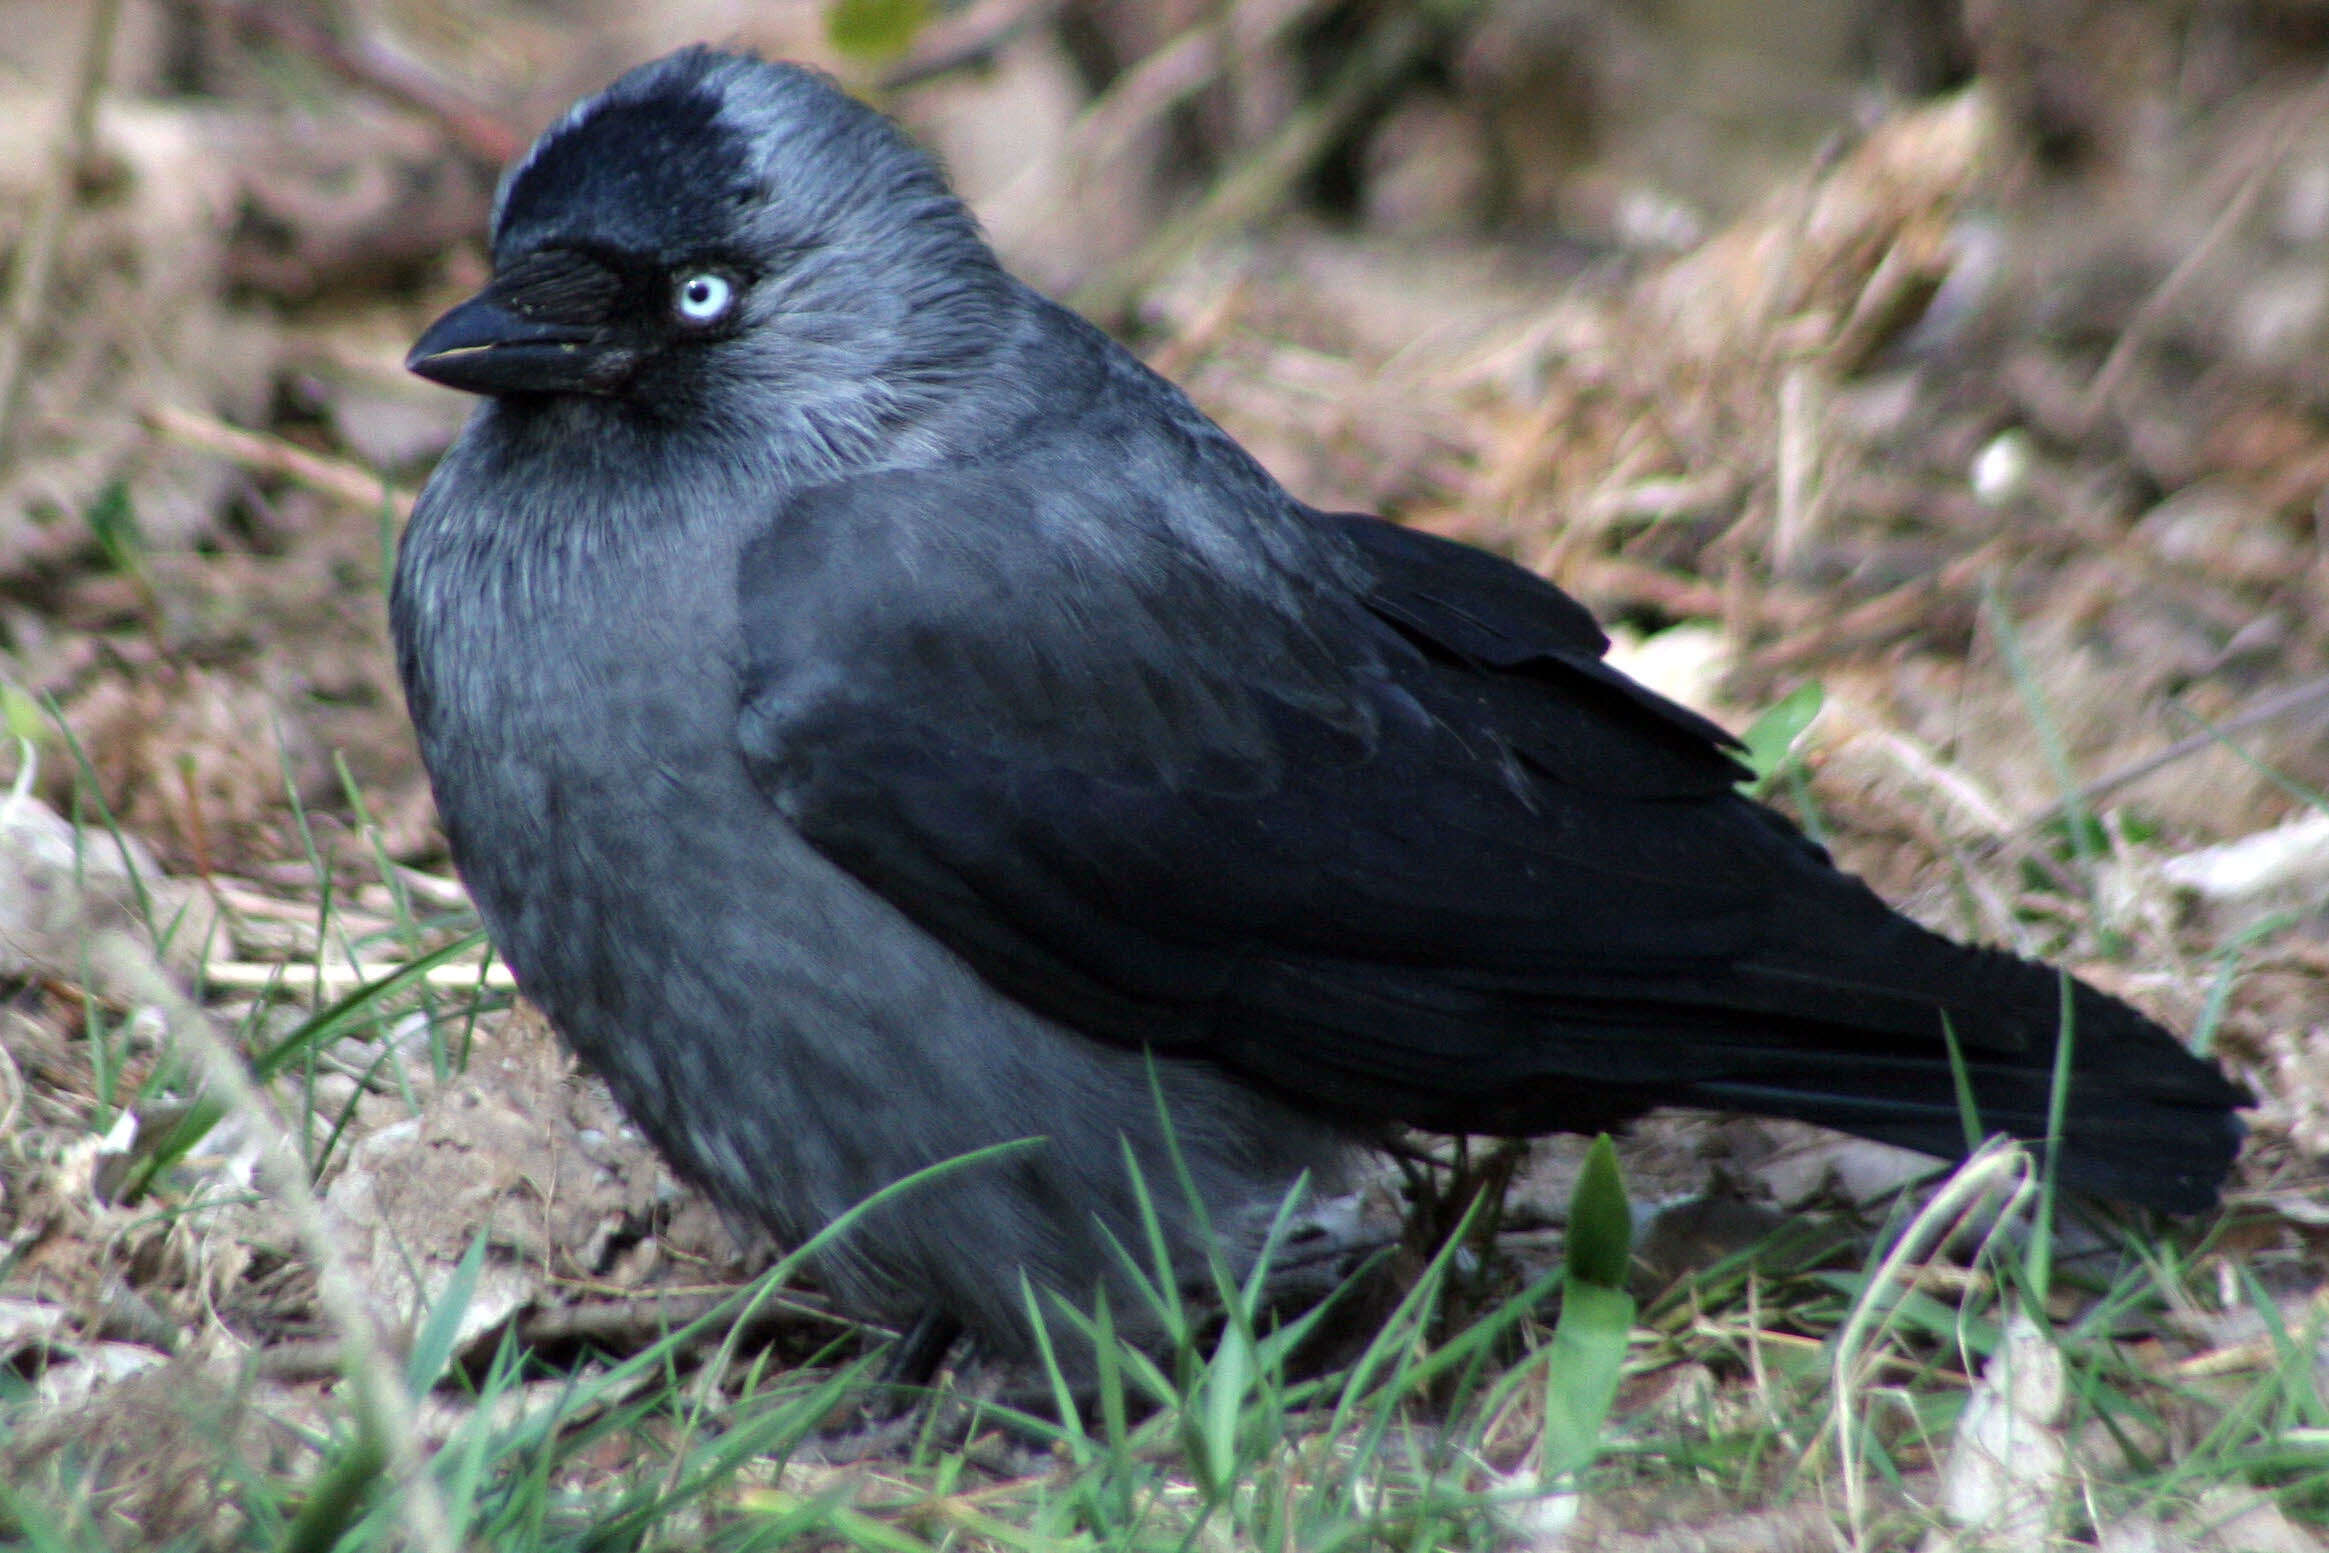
(2144, 1119)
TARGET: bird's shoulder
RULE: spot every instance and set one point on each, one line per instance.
(1058, 602)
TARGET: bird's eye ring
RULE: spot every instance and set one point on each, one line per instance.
(703, 297)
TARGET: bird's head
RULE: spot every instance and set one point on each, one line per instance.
(715, 233)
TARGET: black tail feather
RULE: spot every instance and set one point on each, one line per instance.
(2145, 1121)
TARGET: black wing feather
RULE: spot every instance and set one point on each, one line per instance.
(1373, 824)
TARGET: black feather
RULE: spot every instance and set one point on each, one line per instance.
(1458, 873)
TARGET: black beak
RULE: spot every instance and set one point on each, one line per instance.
(540, 327)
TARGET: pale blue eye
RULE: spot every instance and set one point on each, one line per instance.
(704, 298)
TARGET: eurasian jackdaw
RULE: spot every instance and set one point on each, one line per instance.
(877, 717)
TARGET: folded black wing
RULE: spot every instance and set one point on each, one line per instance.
(1346, 831)
(1353, 811)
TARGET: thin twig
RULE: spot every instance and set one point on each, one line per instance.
(342, 975)
(254, 450)
(12, 1080)
(1889, 613)
(436, 889)
(1263, 179)
(634, 1320)
(1172, 73)
(2162, 300)
(480, 134)
(1606, 578)
(1794, 512)
(2272, 708)
(968, 37)
(36, 255)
